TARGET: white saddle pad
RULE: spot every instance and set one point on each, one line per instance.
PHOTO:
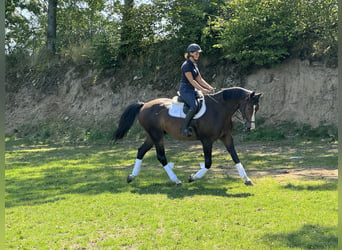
(176, 109)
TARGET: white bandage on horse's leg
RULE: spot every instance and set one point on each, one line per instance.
(241, 171)
(137, 167)
(253, 118)
(169, 171)
(201, 172)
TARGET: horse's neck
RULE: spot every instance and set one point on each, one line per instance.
(229, 107)
(233, 106)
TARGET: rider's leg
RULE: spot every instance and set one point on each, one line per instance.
(185, 129)
(190, 99)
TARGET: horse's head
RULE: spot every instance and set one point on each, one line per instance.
(244, 100)
(248, 108)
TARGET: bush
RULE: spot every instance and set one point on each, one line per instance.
(105, 51)
(253, 32)
(287, 130)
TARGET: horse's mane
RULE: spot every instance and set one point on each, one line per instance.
(234, 93)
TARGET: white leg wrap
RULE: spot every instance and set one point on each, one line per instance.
(241, 171)
(201, 172)
(137, 167)
(253, 118)
(168, 168)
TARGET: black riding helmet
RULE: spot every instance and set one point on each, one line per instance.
(193, 48)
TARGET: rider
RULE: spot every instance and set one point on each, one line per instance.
(192, 82)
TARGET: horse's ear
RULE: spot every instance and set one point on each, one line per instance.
(258, 95)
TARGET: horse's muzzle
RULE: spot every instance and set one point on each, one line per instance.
(249, 125)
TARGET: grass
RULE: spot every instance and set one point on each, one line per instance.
(62, 132)
(76, 197)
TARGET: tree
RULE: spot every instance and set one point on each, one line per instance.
(22, 29)
(254, 32)
(51, 26)
(128, 40)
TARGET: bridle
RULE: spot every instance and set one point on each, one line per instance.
(242, 117)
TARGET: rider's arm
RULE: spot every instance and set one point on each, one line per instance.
(203, 83)
(194, 83)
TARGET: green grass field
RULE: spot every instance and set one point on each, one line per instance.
(76, 197)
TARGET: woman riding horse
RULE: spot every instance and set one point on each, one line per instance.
(192, 82)
(215, 124)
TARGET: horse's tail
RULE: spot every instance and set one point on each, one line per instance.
(126, 121)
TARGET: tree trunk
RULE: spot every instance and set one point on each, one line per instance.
(126, 30)
(51, 26)
(127, 16)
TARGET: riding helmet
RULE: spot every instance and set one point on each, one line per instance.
(193, 48)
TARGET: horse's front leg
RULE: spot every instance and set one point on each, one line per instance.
(207, 150)
(229, 143)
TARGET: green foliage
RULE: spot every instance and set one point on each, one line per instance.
(317, 36)
(138, 29)
(104, 50)
(258, 32)
(253, 32)
(285, 131)
(59, 131)
(23, 32)
(153, 36)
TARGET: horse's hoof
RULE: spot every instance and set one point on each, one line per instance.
(130, 178)
(191, 178)
(179, 183)
(249, 183)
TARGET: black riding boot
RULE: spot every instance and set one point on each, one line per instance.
(185, 129)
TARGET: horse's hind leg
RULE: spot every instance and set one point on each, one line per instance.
(207, 149)
(162, 159)
(146, 146)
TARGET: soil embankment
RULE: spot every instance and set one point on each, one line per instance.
(295, 91)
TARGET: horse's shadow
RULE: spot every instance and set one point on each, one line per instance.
(186, 190)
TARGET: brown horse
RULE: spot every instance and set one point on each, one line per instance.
(215, 124)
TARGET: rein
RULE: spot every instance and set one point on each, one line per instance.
(212, 98)
(238, 116)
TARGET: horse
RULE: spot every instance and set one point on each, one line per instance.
(215, 124)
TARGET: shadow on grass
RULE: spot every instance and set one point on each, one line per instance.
(186, 190)
(58, 182)
(308, 237)
(329, 186)
(43, 174)
(50, 176)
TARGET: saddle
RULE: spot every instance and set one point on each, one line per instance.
(179, 108)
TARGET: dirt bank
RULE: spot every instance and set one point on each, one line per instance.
(298, 91)
(294, 91)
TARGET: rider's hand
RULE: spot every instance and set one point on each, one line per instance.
(206, 91)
